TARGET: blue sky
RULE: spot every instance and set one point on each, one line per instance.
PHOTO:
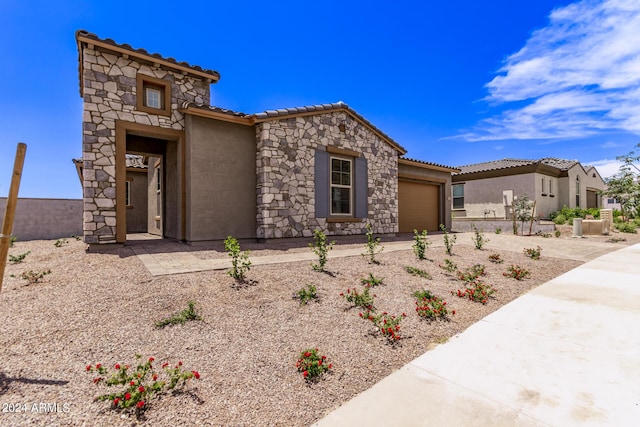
(453, 82)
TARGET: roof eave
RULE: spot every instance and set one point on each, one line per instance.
(199, 112)
(439, 168)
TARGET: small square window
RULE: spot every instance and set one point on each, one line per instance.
(153, 95)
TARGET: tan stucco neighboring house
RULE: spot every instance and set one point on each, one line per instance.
(487, 190)
(216, 172)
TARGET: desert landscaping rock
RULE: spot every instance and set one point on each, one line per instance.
(101, 308)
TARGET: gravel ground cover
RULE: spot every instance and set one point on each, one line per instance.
(100, 307)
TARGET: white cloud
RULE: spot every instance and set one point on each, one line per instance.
(578, 76)
(610, 144)
(606, 167)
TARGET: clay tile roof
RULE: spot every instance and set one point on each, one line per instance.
(494, 165)
(83, 36)
(438, 165)
(561, 164)
(188, 104)
(265, 115)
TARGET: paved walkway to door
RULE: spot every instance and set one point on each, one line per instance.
(163, 257)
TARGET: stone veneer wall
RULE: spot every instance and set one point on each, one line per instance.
(286, 187)
(109, 83)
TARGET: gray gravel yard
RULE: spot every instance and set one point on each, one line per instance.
(101, 307)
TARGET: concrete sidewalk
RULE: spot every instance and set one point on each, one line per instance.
(565, 354)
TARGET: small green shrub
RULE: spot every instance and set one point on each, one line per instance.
(449, 266)
(364, 299)
(559, 219)
(533, 253)
(626, 227)
(373, 247)
(557, 233)
(12, 240)
(516, 272)
(18, 258)
(306, 294)
(417, 272)
(321, 248)
(60, 242)
(312, 365)
(472, 273)
(421, 244)
(570, 213)
(372, 281)
(34, 276)
(240, 263)
(498, 230)
(78, 238)
(478, 239)
(186, 315)
(448, 240)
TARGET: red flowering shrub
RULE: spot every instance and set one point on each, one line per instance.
(388, 325)
(312, 365)
(429, 306)
(138, 388)
(476, 291)
(516, 272)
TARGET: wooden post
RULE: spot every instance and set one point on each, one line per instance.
(10, 210)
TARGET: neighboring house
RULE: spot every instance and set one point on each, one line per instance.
(216, 172)
(609, 202)
(487, 190)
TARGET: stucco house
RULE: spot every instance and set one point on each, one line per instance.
(487, 190)
(213, 172)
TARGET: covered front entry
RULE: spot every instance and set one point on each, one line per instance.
(418, 206)
(165, 185)
(592, 199)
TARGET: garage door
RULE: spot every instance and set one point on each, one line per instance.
(418, 206)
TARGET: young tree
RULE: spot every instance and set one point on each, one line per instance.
(625, 186)
(630, 159)
(523, 211)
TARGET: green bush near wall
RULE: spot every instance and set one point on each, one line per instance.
(569, 214)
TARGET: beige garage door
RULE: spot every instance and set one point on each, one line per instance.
(418, 206)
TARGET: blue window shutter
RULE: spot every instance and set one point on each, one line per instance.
(361, 190)
(322, 184)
